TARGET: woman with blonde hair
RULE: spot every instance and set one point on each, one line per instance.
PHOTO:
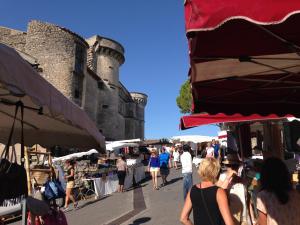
(153, 167)
(208, 202)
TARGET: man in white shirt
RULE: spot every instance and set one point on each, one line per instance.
(187, 170)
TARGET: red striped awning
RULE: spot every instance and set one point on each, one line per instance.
(244, 56)
(195, 120)
(235, 28)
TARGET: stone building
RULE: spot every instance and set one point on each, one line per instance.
(86, 71)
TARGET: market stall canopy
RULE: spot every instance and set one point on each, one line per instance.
(111, 146)
(49, 117)
(236, 28)
(244, 56)
(195, 120)
(75, 155)
(264, 85)
(192, 138)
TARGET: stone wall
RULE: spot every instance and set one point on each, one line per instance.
(91, 99)
(93, 83)
(13, 38)
(55, 49)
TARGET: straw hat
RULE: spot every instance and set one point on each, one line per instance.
(232, 159)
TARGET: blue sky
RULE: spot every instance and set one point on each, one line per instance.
(153, 35)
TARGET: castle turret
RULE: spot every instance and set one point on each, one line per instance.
(105, 56)
(61, 55)
(141, 101)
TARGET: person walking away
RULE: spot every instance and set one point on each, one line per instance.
(70, 178)
(208, 202)
(216, 146)
(187, 170)
(121, 172)
(153, 167)
(176, 156)
(209, 151)
(165, 164)
(277, 202)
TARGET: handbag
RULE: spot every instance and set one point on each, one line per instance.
(54, 190)
(13, 176)
(56, 217)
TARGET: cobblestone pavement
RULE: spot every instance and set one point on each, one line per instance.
(141, 205)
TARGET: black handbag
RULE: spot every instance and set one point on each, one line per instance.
(13, 178)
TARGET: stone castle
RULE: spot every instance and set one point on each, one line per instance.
(86, 71)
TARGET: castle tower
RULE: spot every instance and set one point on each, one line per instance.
(61, 55)
(105, 56)
(141, 101)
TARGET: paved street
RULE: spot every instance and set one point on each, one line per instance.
(139, 206)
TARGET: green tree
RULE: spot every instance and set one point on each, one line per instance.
(184, 100)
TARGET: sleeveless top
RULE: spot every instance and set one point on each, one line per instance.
(121, 165)
(69, 173)
(199, 211)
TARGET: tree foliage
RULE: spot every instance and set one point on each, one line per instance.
(184, 100)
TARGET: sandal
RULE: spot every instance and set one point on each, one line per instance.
(76, 205)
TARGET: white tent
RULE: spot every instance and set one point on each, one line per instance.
(117, 145)
(75, 155)
(49, 117)
(193, 138)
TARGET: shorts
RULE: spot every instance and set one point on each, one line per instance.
(154, 169)
(121, 177)
(164, 171)
(70, 184)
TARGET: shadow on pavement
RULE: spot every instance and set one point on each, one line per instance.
(136, 186)
(92, 202)
(140, 220)
(174, 180)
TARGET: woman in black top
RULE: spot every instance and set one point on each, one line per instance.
(209, 202)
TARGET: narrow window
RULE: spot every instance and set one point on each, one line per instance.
(79, 58)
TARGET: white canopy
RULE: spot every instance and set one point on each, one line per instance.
(193, 138)
(117, 145)
(75, 155)
(130, 141)
(62, 122)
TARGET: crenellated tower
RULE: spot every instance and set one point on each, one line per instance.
(105, 56)
(140, 100)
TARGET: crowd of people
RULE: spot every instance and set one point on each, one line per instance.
(221, 196)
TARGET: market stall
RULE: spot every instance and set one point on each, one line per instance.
(254, 71)
(41, 114)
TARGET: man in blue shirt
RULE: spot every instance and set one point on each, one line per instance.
(164, 159)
